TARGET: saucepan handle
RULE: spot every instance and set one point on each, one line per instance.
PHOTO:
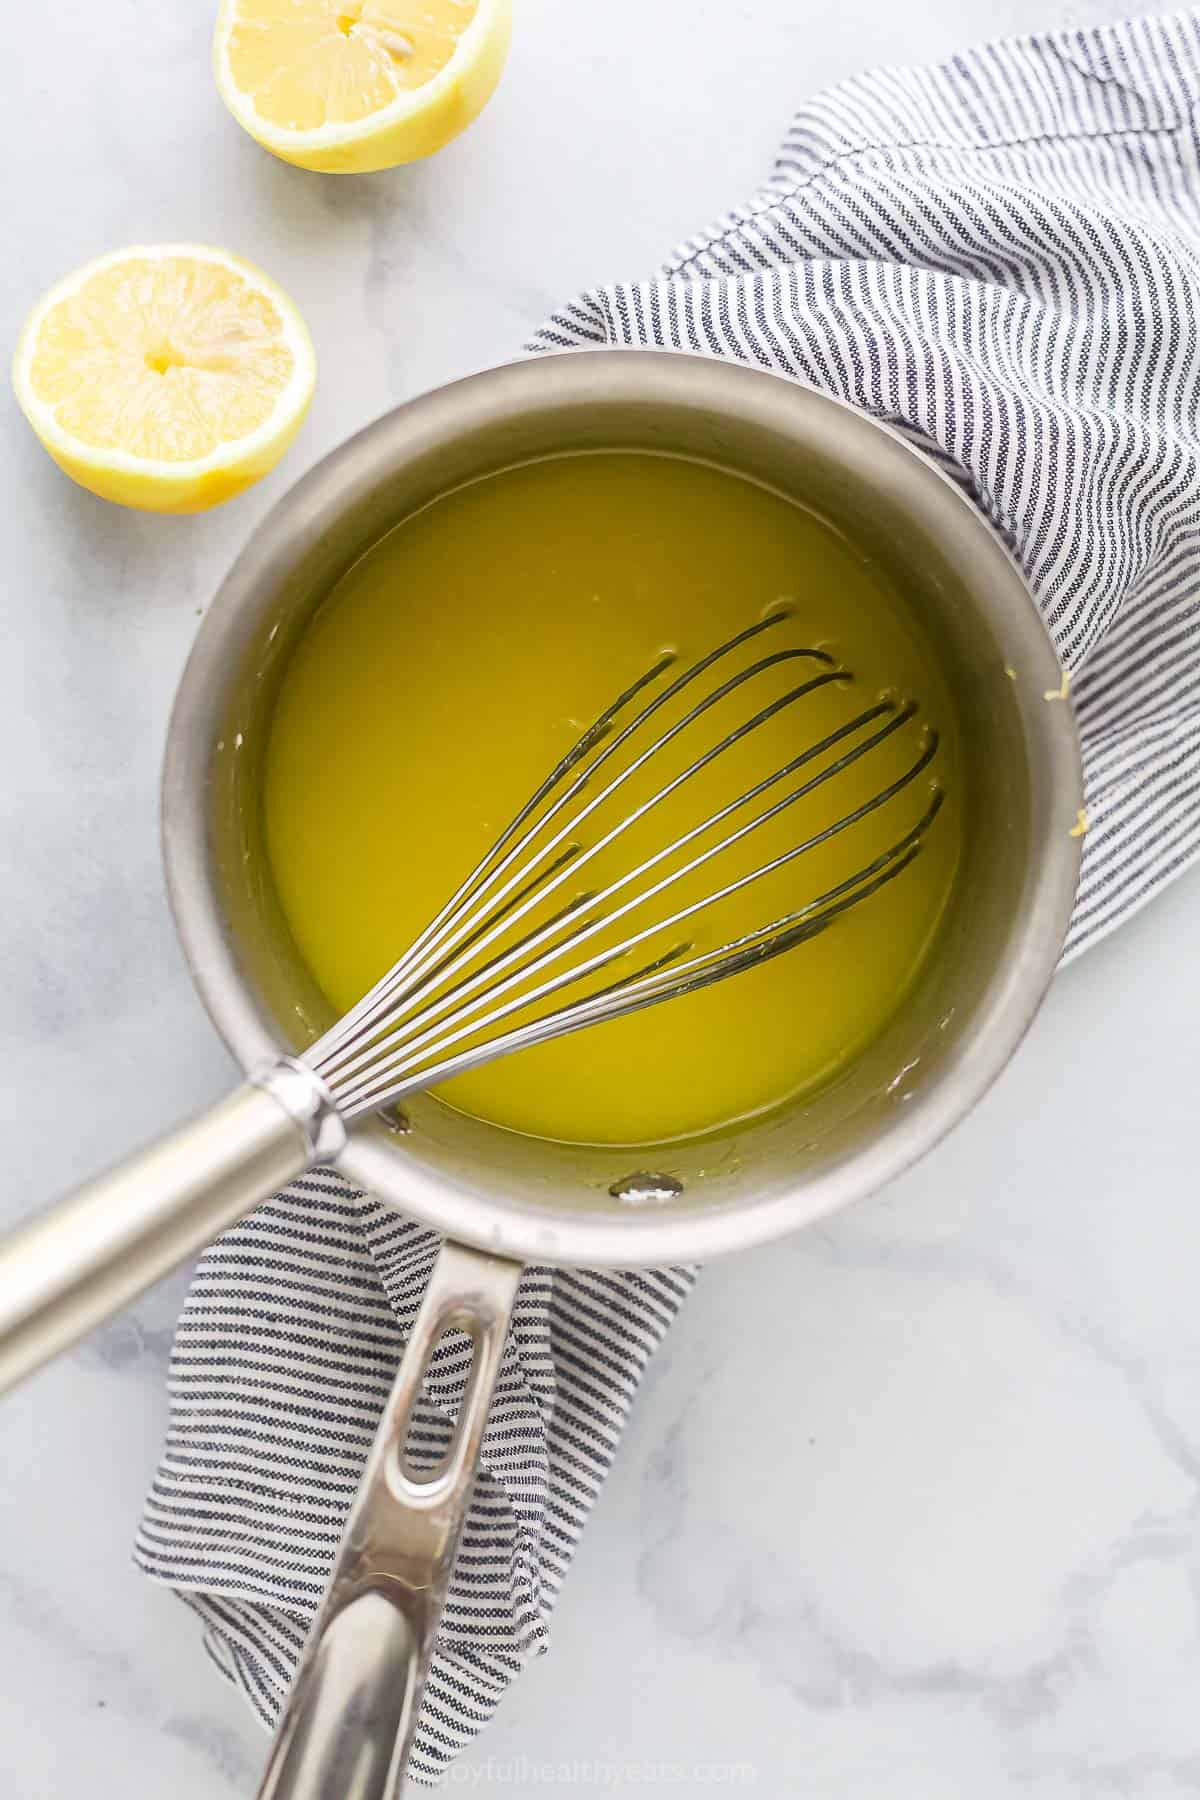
(348, 1722)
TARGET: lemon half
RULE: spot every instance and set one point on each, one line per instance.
(347, 86)
(167, 377)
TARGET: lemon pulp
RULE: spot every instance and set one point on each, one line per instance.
(347, 86)
(457, 661)
(309, 63)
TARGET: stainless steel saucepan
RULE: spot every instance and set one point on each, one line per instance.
(502, 1200)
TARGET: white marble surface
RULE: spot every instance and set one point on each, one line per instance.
(909, 1507)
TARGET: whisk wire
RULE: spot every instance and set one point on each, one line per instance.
(392, 1058)
(665, 978)
(398, 1036)
(419, 981)
(375, 1003)
(459, 924)
(437, 1010)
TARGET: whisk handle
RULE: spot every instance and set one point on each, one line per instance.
(69, 1268)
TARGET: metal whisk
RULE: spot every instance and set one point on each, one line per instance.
(490, 974)
(446, 1005)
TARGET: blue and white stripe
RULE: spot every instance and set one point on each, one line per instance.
(1002, 257)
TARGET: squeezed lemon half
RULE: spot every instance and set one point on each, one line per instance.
(347, 86)
(167, 377)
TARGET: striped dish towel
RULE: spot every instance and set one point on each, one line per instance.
(1000, 256)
